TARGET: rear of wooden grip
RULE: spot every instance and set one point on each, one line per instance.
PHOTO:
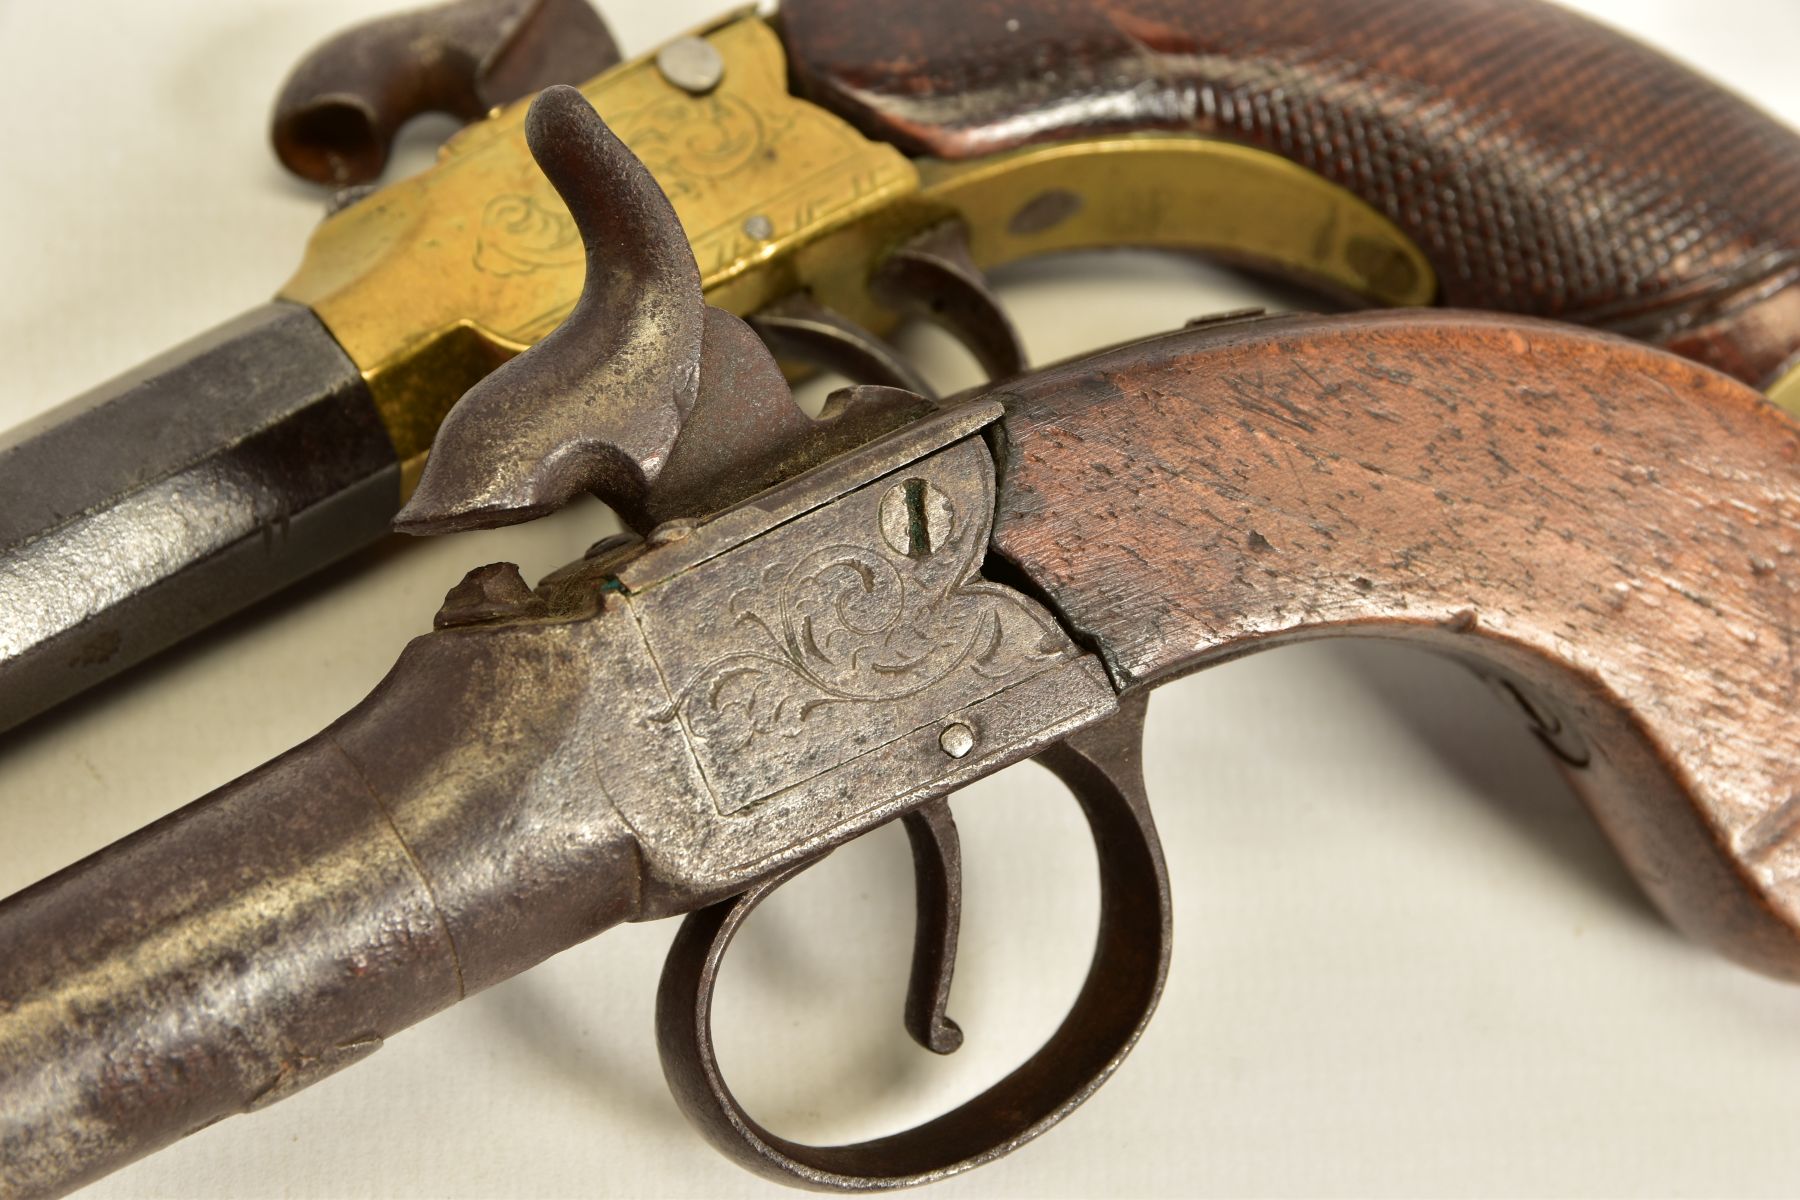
(1546, 165)
(1610, 533)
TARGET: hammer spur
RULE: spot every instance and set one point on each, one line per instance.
(655, 402)
(597, 404)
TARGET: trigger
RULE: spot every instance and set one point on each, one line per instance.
(934, 276)
(937, 883)
(1103, 769)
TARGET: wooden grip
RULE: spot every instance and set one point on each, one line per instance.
(1607, 532)
(1545, 164)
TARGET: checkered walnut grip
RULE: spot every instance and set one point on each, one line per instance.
(1546, 164)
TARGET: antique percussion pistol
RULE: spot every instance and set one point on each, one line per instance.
(830, 624)
(837, 168)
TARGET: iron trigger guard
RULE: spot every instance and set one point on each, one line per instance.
(1103, 767)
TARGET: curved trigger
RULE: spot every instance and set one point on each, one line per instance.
(933, 275)
(799, 328)
(1102, 766)
(937, 890)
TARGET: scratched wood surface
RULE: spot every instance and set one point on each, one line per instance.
(1606, 532)
(1545, 164)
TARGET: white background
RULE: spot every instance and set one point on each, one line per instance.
(1406, 963)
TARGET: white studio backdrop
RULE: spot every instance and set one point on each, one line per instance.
(1406, 963)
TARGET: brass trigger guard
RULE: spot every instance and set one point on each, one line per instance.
(1102, 767)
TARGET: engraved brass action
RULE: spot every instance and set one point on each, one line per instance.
(432, 282)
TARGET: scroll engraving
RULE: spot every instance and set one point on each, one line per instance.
(521, 234)
(843, 640)
(851, 626)
(689, 144)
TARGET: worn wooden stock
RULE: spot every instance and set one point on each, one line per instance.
(1545, 164)
(1607, 532)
